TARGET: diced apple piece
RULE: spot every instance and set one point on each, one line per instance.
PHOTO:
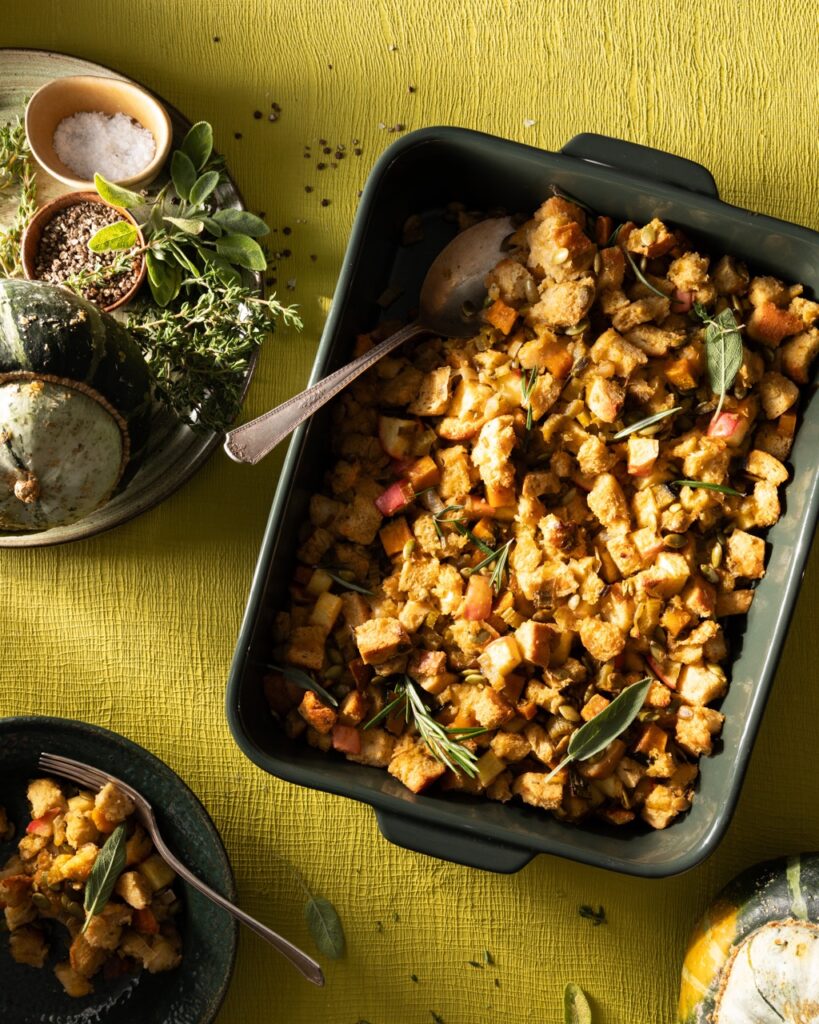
(477, 604)
(318, 583)
(395, 499)
(534, 639)
(346, 739)
(500, 657)
(325, 611)
(156, 872)
(642, 454)
(489, 767)
(397, 436)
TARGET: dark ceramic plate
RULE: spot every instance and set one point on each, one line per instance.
(193, 992)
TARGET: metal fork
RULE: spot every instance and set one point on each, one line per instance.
(77, 771)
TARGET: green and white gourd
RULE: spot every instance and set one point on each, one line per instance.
(75, 403)
(754, 956)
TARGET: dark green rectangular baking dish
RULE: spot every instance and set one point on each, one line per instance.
(421, 174)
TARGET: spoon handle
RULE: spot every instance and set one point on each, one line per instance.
(253, 440)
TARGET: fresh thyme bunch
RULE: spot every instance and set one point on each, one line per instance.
(199, 341)
(16, 172)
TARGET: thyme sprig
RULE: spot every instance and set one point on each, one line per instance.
(442, 742)
(16, 172)
(527, 384)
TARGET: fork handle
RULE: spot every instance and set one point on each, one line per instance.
(304, 964)
(253, 440)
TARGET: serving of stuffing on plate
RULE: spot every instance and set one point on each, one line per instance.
(518, 526)
(46, 881)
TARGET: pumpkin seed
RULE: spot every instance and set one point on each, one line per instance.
(334, 672)
(657, 652)
(408, 548)
(530, 288)
(41, 901)
(685, 713)
(335, 656)
(648, 234)
(710, 573)
(716, 555)
(598, 263)
(569, 713)
(475, 679)
(577, 329)
(644, 264)
(675, 541)
(346, 574)
(560, 256)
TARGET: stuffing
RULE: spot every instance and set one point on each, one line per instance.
(769, 324)
(746, 555)
(798, 353)
(432, 398)
(306, 647)
(696, 730)
(689, 273)
(602, 640)
(533, 789)
(607, 501)
(492, 450)
(511, 281)
(44, 795)
(317, 714)
(415, 768)
(593, 456)
(378, 640)
(564, 304)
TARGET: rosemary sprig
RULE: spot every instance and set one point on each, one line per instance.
(723, 351)
(16, 172)
(347, 584)
(526, 386)
(441, 742)
(641, 277)
(499, 557)
(304, 681)
(613, 236)
(706, 486)
(647, 422)
(458, 523)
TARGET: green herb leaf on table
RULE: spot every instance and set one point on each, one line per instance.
(649, 421)
(305, 681)
(108, 866)
(241, 250)
(198, 144)
(116, 195)
(641, 277)
(597, 733)
(723, 351)
(325, 926)
(241, 222)
(706, 486)
(203, 186)
(183, 174)
(576, 1009)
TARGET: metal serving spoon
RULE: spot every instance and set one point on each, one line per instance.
(450, 298)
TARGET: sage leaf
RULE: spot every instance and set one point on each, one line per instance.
(183, 174)
(190, 225)
(305, 682)
(120, 235)
(108, 866)
(706, 486)
(203, 186)
(164, 279)
(723, 351)
(325, 926)
(198, 144)
(212, 226)
(228, 274)
(647, 422)
(241, 222)
(241, 250)
(597, 733)
(116, 194)
(576, 1009)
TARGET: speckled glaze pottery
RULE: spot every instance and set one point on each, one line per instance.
(191, 994)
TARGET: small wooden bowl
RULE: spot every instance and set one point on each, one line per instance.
(34, 232)
(62, 97)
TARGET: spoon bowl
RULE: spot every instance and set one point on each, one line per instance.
(449, 301)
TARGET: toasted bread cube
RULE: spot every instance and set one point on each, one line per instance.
(699, 684)
(593, 457)
(433, 395)
(736, 602)
(500, 657)
(769, 324)
(316, 713)
(80, 829)
(379, 640)
(85, 959)
(602, 640)
(765, 467)
(377, 747)
(778, 394)
(134, 889)
(355, 609)
(15, 890)
(113, 804)
(799, 353)
(663, 804)
(533, 789)
(695, 732)
(104, 929)
(414, 767)
(78, 868)
(43, 795)
(138, 847)
(534, 640)
(306, 647)
(510, 747)
(490, 709)
(746, 555)
(593, 706)
(75, 984)
(607, 501)
(27, 945)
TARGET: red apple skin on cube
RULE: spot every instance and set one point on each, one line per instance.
(724, 425)
(658, 672)
(478, 599)
(395, 499)
(346, 739)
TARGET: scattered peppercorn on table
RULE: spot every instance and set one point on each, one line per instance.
(134, 630)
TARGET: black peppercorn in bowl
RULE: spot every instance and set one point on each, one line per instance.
(55, 250)
(416, 181)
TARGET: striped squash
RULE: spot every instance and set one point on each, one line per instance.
(75, 404)
(754, 956)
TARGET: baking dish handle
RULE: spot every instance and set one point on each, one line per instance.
(449, 844)
(642, 160)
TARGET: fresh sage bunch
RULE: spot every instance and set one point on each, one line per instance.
(576, 1009)
(723, 351)
(596, 734)
(108, 866)
(183, 234)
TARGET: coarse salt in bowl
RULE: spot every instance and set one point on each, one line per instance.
(85, 123)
